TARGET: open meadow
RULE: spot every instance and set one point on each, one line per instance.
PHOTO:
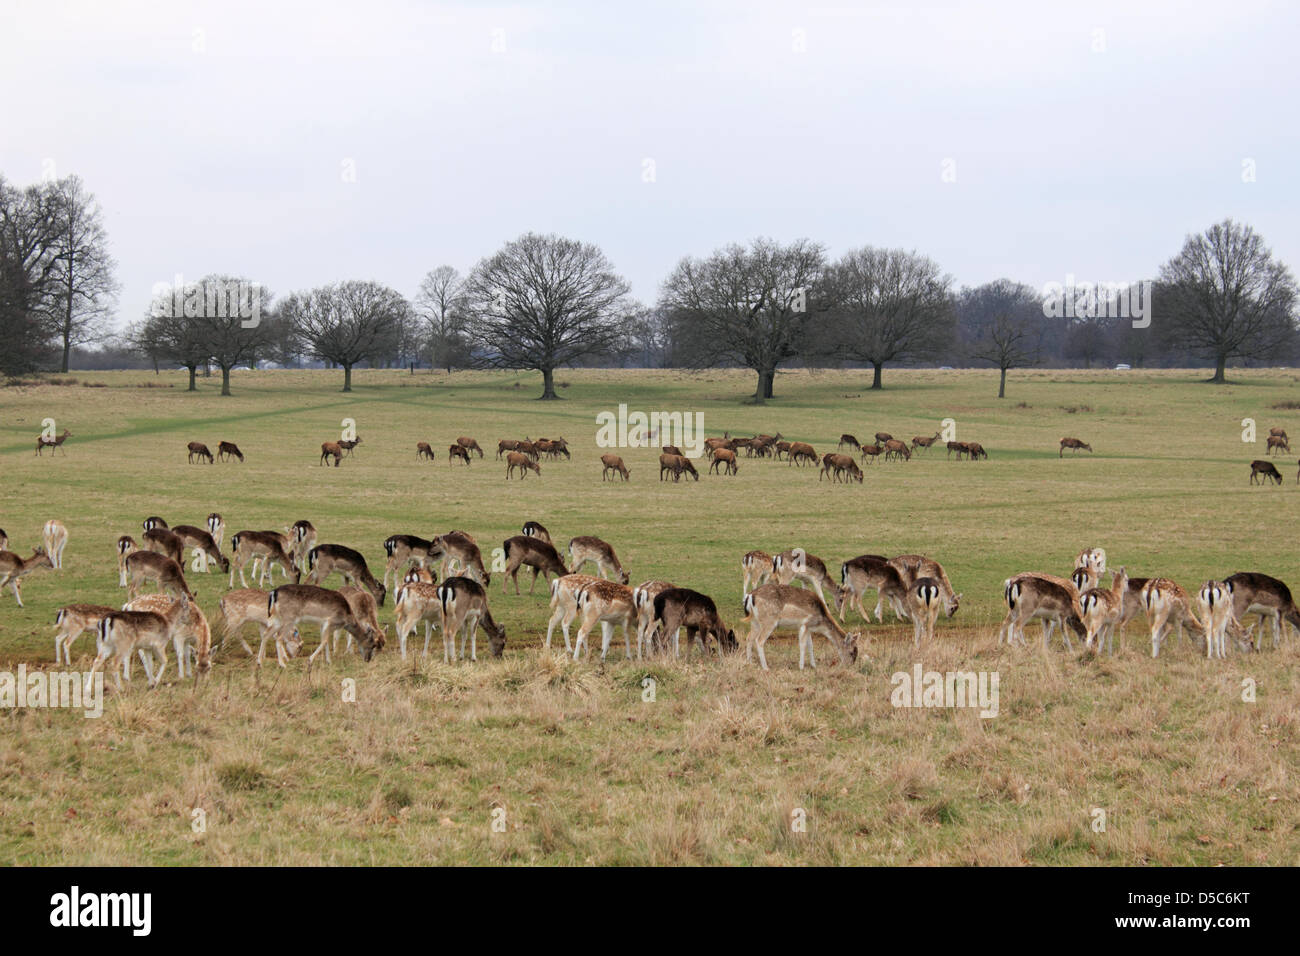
(1119, 760)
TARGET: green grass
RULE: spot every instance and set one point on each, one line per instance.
(286, 772)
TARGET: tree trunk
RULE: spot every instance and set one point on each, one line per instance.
(769, 383)
(1002, 385)
(876, 377)
(225, 380)
(193, 371)
(347, 377)
(1220, 364)
(763, 391)
(548, 385)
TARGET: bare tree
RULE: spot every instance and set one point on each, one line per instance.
(440, 304)
(743, 306)
(84, 271)
(887, 305)
(544, 302)
(167, 334)
(346, 323)
(1003, 323)
(1225, 295)
(231, 330)
(28, 239)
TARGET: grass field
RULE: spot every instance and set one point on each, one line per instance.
(568, 757)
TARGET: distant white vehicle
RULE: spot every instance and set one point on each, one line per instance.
(1123, 368)
(945, 368)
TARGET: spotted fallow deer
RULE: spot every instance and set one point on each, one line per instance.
(327, 559)
(1029, 595)
(755, 569)
(536, 554)
(403, 549)
(913, 567)
(1255, 593)
(464, 610)
(777, 605)
(71, 621)
(586, 548)
(872, 572)
(797, 564)
(1168, 606)
(165, 541)
(167, 574)
(457, 550)
(55, 538)
(364, 610)
(123, 634)
(417, 602)
(191, 639)
(610, 605)
(677, 608)
(251, 606)
(292, 605)
(564, 604)
(267, 546)
(1102, 610)
(196, 539)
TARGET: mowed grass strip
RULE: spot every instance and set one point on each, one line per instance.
(713, 769)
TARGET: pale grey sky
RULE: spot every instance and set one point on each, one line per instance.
(1085, 138)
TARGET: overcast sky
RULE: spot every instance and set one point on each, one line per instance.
(302, 144)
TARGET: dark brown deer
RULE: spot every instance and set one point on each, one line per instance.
(976, 451)
(331, 449)
(613, 463)
(851, 441)
(457, 451)
(682, 607)
(347, 446)
(539, 555)
(882, 437)
(957, 446)
(1265, 468)
(228, 449)
(1075, 444)
(56, 442)
(200, 451)
(1278, 443)
(164, 541)
(326, 559)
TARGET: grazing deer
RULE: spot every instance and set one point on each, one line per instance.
(675, 608)
(417, 602)
(1030, 595)
(897, 449)
(267, 546)
(1277, 432)
(777, 605)
(364, 610)
(1277, 443)
(783, 448)
(125, 545)
(147, 633)
(1265, 468)
(535, 529)
(711, 445)
(14, 567)
(1214, 604)
(564, 604)
(331, 449)
(469, 444)
(554, 449)
(228, 449)
(216, 527)
(585, 548)
(871, 452)
(347, 446)
(510, 444)
(1102, 610)
(165, 541)
(200, 451)
(191, 639)
(152, 522)
(464, 610)
(55, 538)
(250, 606)
(796, 563)
(539, 555)
(1255, 593)
(676, 464)
(326, 559)
(292, 605)
(883, 438)
(872, 572)
(672, 450)
(71, 621)
(912, 567)
(528, 449)
(424, 450)
(1075, 444)
(643, 598)
(456, 548)
(851, 441)
(957, 446)
(455, 452)
(523, 462)
(196, 539)
(976, 451)
(163, 571)
(837, 465)
(724, 462)
(802, 453)
(924, 598)
(755, 569)
(1168, 606)
(403, 549)
(56, 442)
(302, 538)
(610, 604)
(922, 443)
(614, 463)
